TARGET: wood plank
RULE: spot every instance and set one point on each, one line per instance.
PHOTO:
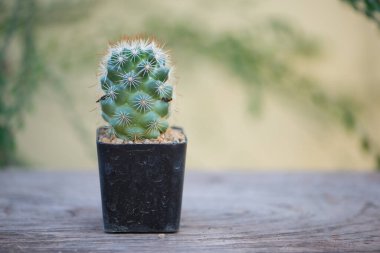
(222, 212)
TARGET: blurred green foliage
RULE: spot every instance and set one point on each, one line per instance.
(22, 65)
(18, 77)
(370, 8)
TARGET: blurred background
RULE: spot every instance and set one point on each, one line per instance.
(261, 85)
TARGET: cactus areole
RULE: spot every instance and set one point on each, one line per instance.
(134, 76)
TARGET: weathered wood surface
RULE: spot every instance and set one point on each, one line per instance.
(222, 212)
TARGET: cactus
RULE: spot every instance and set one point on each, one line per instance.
(134, 76)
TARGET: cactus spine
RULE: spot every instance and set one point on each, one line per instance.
(134, 76)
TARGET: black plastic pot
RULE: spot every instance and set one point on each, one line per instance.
(141, 186)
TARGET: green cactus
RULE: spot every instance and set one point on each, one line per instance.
(134, 76)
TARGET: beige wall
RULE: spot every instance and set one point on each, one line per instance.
(280, 138)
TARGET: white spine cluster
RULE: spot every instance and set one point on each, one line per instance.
(133, 49)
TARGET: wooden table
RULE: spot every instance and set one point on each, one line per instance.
(222, 212)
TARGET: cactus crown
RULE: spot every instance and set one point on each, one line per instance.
(134, 76)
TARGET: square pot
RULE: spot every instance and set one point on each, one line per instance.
(141, 186)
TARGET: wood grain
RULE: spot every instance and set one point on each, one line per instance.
(222, 212)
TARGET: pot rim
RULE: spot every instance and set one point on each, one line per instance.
(141, 144)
